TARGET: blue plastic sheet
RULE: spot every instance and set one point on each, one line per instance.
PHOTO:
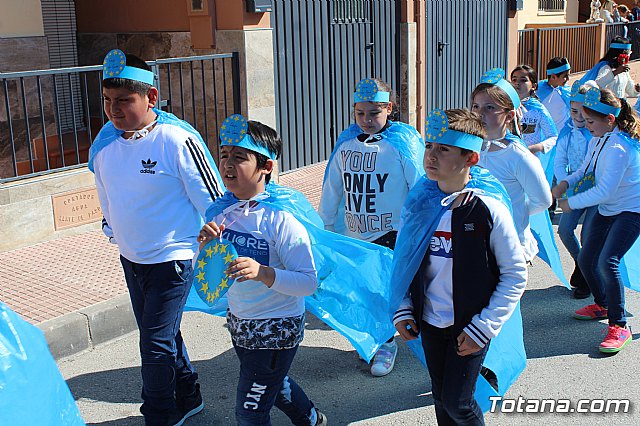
(506, 356)
(32, 390)
(353, 275)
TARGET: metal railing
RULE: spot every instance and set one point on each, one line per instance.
(551, 5)
(629, 30)
(575, 42)
(48, 118)
(526, 46)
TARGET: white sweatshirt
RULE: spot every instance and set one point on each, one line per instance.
(372, 179)
(622, 84)
(617, 173)
(523, 177)
(154, 192)
(277, 239)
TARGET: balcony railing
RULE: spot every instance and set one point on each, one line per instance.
(551, 5)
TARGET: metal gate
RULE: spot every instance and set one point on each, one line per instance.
(322, 49)
(464, 38)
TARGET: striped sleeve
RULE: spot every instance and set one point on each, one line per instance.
(404, 312)
(204, 167)
(200, 179)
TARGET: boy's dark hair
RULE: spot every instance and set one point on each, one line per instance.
(557, 62)
(463, 120)
(268, 138)
(131, 85)
(611, 57)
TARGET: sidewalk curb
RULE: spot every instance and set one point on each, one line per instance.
(87, 327)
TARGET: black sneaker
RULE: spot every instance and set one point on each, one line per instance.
(188, 405)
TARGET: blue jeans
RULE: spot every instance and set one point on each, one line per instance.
(607, 240)
(158, 293)
(264, 383)
(567, 226)
(453, 377)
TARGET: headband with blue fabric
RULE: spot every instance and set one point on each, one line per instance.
(495, 76)
(234, 132)
(437, 130)
(576, 96)
(558, 70)
(623, 46)
(592, 101)
(115, 66)
(367, 91)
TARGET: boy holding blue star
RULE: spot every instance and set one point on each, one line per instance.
(273, 271)
(155, 179)
(458, 262)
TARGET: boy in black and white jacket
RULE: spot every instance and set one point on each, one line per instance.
(472, 274)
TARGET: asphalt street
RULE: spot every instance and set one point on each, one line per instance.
(563, 363)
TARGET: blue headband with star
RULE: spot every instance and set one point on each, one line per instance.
(592, 101)
(558, 70)
(233, 132)
(495, 76)
(115, 66)
(623, 46)
(367, 91)
(437, 130)
(576, 96)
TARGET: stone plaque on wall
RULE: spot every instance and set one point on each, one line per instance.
(76, 208)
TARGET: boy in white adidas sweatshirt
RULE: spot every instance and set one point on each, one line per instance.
(155, 179)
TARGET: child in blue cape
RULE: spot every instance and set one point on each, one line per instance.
(506, 157)
(539, 132)
(571, 150)
(553, 92)
(155, 180)
(612, 71)
(460, 262)
(373, 166)
(609, 179)
(273, 273)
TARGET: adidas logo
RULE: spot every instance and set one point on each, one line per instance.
(147, 166)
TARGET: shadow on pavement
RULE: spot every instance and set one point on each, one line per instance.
(337, 381)
(550, 329)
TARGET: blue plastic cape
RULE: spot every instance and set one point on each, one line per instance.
(32, 390)
(353, 275)
(630, 263)
(401, 136)
(542, 230)
(422, 211)
(544, 90)
(109, 133)
(592, 74)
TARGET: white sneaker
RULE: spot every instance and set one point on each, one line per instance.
(384, 359)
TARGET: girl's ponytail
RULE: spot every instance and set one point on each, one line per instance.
(628, 119)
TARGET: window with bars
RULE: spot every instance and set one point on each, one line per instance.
(551, 5)
(350, 11)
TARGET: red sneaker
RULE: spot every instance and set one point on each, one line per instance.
(617, 338)
(591, 312)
